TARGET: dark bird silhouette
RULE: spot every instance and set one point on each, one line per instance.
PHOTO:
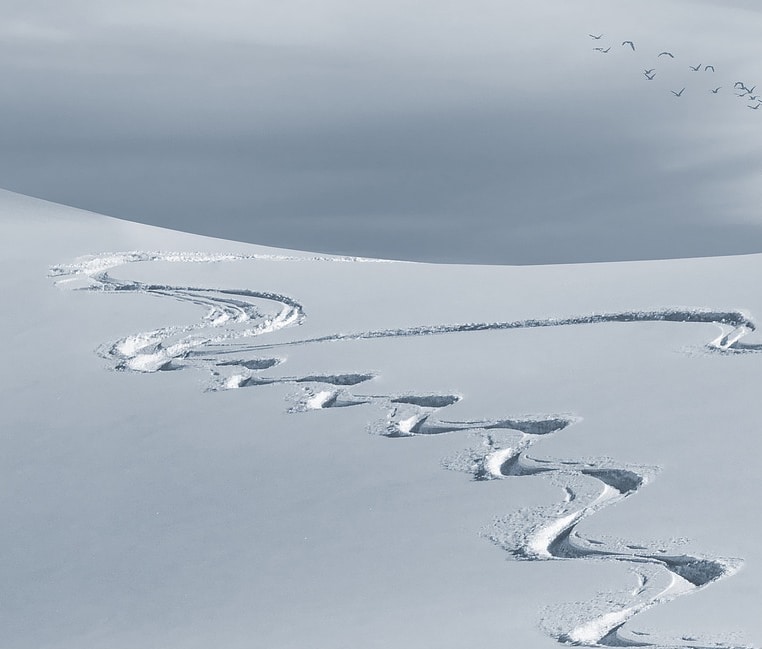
(746, 90)
(716, 90)
(708, 67)
(597, 38)
(651, 76)
(753, 98)
(739, 84)
(696, 69)
(601, 50)
(669, 54)
(677, 94)
(754, 106)
(630, 43)
(649, 71)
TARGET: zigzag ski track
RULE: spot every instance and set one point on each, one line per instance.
(221, 344)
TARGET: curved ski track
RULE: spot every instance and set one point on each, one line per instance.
(218, 344)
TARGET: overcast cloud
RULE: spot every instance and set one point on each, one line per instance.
(485, 131)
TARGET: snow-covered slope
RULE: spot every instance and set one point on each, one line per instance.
(212, 444)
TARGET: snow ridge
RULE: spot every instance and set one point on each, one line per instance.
(89, 266)
(218, 344)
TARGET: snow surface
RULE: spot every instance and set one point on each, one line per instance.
(214, 444)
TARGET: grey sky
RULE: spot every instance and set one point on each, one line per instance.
(482, 132)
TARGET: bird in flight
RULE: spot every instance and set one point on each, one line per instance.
(649, 71)
(716, 90)
(601, 50)
(594, 37)
(630, 43)
(754, 106)
(651, 76)
(708, 67)
(669, 54)
(695, 69)
(677, 94)
(740, 85)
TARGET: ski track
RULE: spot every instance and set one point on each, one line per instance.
(219, 344)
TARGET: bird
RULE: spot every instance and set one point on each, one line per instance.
(739, 84)
(754, 106)
(651, 76)
(707, 67)
(594, 37)
(630, 43)
(696, 69)
(753, 98)
(669, 54)
(716, 90)
(649, 71)
(601, 50)
(677, 94)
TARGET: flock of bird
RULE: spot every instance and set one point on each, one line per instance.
(740, 89)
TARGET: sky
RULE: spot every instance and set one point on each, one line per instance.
(479, 132)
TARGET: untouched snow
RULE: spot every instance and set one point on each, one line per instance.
(212, 444)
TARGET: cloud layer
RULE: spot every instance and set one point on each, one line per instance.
(448, 131)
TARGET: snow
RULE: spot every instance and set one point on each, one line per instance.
(186, 459)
